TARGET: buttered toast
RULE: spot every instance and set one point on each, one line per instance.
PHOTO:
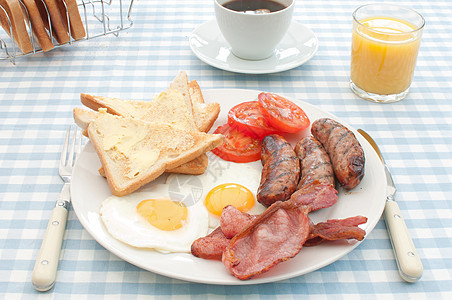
(196, 166)
(168, 107)
(134, 152)
(203, 114)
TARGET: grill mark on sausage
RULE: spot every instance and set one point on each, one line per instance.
(276, 163)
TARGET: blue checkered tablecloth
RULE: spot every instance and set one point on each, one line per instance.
(37, 95)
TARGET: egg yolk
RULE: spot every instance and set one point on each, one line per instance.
(229, 194)
(163, 213)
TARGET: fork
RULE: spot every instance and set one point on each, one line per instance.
(44, 272)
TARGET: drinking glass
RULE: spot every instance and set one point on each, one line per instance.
(385, 46)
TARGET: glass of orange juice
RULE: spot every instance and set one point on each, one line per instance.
(385, 45)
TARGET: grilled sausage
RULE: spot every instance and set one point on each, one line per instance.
(346, 153)
(315, 162)
(281, 170)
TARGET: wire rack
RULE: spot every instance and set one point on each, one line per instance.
(99, 17)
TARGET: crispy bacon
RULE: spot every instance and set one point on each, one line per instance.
(332, 230)
(210, 246)
(232, 221)
(249, 245)
(276, 235)
(315, 196)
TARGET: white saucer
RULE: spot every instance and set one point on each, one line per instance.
(297, 47)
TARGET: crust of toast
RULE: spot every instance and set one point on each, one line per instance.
(175, 146)
(195, 92)
(38, 26)
(75, 21)
(17, 18)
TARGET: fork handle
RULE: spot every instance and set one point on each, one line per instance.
(44, 272)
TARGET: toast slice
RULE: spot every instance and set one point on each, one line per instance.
(180, 83)
(204, 114)
(70, 8)
(43, 13)
(59, 31)
(83, 117)
(166, 107)
(133, 152)
(196, 166)
(39, 30)
(13, 22)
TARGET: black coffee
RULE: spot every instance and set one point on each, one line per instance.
(254, 6)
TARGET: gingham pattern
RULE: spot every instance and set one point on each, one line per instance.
(36, 100)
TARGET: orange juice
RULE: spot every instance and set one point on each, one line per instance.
(384, 53)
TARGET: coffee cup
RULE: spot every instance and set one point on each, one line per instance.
(253, 33)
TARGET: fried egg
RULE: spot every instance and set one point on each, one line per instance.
(224, 183)
(153, 219)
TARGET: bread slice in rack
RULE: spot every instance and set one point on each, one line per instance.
(13, 22)
(133, 152)
(39, 31)
(70, 8)
(59, 31)
(43, 13)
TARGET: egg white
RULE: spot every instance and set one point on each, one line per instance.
(120, 217)
(218, 172)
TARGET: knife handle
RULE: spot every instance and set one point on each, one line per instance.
(408, 262)
(44, 272)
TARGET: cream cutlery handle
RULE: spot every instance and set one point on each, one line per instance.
(44, 272)
(408, 262)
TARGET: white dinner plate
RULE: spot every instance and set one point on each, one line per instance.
(297, 47)
(88, 189)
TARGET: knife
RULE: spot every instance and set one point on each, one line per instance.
(408, 262)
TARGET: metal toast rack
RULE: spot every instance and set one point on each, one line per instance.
(99, 17)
